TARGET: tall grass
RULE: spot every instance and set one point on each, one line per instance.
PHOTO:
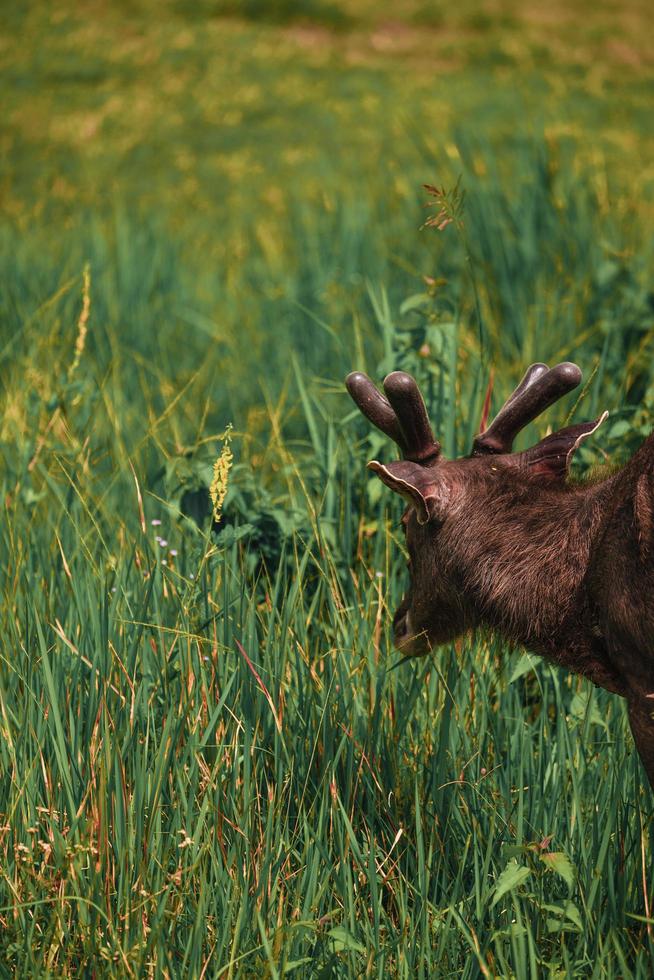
(210, 764)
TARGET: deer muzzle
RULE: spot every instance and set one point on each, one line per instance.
(404, 638)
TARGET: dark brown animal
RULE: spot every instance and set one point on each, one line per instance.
(500, 539)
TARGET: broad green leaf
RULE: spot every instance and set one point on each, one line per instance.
(567, 911)
(579, 708)
(511, 878)
(414, 302)
(560, 863)
(525, 664)
(572, 913)
(342, 939)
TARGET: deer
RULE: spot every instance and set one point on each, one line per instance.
(503, 540)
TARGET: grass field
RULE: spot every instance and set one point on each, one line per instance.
(211, 213)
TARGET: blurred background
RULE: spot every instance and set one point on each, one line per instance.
(242, 174)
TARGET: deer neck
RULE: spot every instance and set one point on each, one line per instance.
(528, 554)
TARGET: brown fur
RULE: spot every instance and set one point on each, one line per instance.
(566, 570)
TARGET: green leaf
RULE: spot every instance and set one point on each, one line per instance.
(374, 489)
(342, 939)
(513, 931)
(296, 964)
(230, 534)
(560, 863)
(579, 709)
(525, 664)
(414, 302)
(566, 911)
(619, 428)
(572, 913)
(511, 878)
(513, 851)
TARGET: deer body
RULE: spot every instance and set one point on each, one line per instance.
(500, 540)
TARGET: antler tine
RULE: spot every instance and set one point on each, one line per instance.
(532, 374)
(539, 389)
(374, 406)
(404, 395)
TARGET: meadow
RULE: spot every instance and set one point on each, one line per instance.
(212, 763)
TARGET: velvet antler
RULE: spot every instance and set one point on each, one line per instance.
(540, 388)
(401, 414)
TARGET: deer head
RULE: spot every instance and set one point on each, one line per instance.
(457, 508)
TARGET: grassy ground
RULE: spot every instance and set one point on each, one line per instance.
(210, 215)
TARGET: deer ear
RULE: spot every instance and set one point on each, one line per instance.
(551, 457)
(419, 485)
